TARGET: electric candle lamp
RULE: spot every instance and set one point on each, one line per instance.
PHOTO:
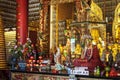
(30, 61)
(40, 57)
(33, 61)
(37, 65)
(28, 65)
(38, 61)
(34, 64)
(31, 65)
(31, 57)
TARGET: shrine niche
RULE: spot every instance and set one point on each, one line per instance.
(116, 24)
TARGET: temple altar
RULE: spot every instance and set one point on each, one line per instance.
(78, 44)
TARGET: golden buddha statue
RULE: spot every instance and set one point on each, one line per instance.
(78, 49)
(95, 34)
(116, 23)
(61, 48)
(101, 49)
(114, 49)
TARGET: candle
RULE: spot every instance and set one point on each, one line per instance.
(38, 61)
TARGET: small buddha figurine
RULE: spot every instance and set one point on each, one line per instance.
(103, 56)
(118, 56)
(78, 49)
(101, 48)
(108, 48)
(110, 59)
(65, 52)
(61, 48)
(114, 49)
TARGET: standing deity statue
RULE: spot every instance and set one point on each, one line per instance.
(116, 23)
(57, 56)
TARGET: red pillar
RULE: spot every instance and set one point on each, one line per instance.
(22, 20)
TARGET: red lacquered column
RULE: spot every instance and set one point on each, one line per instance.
(22, 20)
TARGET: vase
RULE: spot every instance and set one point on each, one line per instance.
(13, 63)
(22, 65)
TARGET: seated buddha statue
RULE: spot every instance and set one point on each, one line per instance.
(95, 34)
(78, 49)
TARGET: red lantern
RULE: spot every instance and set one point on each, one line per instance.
(34, 61)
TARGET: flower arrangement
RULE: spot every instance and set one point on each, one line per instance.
(21, 52)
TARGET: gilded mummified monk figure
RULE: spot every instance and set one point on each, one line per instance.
(96, 15)
(88, 10)
(116, 23)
